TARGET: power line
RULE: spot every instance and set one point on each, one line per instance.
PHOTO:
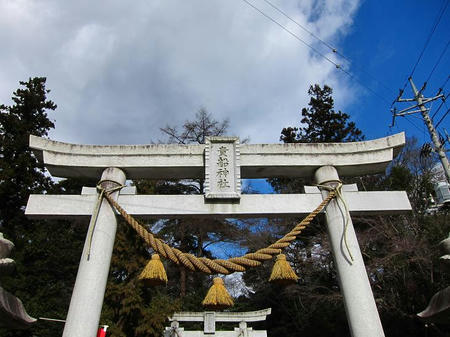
(420, 101)
(437, 124)
(303, 27)
(445, 83)
(439, 107)
(422, 129)
(332, 48)
(438, 61)
(338, 66)
(291, 33)
(435, 24)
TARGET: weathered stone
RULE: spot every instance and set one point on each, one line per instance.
(187, 161)
(12, 312)
(256, 161)
(7, 266)
(438, 310)
(209, 318)
(222, 169)
(444, 246)
(6, 246)
(87, 296)
(360, 306)
(249, 205)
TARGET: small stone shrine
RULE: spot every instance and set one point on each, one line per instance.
(209, 320)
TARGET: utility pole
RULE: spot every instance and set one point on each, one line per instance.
(420, 104)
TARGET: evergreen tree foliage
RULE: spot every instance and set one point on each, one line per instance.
(47, 253)
(20, 172)
(321, 123)
(413, 173)
(130, 309)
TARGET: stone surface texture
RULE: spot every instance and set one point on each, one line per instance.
(209, 318)
(327, 162)
(89, 290)
(222, 168)
(438, 310)
(187, 161)
(12, 312)
(249, 205)
(362, 313)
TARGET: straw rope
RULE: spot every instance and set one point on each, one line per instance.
(217, 266)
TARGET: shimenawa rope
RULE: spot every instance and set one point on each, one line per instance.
(217, 266)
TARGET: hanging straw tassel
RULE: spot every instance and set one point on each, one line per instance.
(217, 297)
(153, 273)
(282, 272)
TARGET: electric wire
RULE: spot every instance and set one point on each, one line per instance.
(338, 66)
(303, 27)
(433, 29)
(430, 35)
(332, 48)
(442, 118)
(440, 106)
(438, 61)
(441, 12)
(413, 124)
(292, 34)
(445, 82)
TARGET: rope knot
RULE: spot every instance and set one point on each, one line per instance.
(337, 191)
(109, 187)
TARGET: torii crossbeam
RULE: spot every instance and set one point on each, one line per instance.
(222, 162)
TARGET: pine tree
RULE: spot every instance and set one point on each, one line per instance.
(47, 253)
(20, 172)
(322, 124)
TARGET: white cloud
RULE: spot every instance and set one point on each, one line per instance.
(119, 71)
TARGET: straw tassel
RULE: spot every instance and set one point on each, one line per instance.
(154, 273)
(217, 297)
(282, 272)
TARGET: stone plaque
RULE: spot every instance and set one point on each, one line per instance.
(209, 326)
(222, 169)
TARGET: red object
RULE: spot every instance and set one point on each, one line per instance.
(102, 331)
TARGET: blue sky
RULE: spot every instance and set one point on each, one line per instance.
(118, 72)
(386, 40)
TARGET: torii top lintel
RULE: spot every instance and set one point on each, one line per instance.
(163, 161)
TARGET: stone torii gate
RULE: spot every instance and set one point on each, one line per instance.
(222, 162)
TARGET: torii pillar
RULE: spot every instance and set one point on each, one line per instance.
(222, 162)
(89, 290)
(362, 313)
